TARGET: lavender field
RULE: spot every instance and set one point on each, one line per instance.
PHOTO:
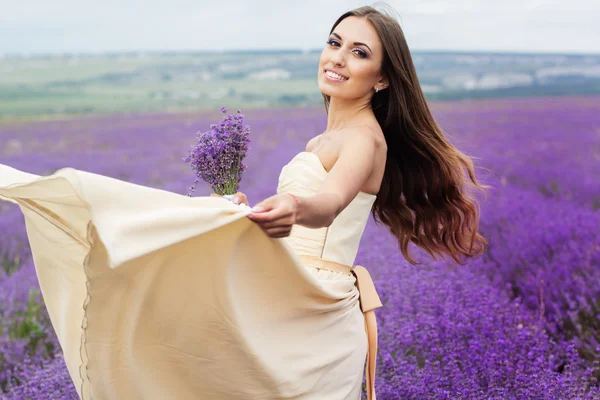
(521, 322)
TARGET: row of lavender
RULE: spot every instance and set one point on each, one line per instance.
(522, 322)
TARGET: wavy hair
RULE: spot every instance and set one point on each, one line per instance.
(424, 196)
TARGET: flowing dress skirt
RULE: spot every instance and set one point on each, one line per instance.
(156, 295)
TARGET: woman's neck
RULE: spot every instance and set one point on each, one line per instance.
(342, 113)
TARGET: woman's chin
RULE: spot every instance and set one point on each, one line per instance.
(324, 91)
(327, 90)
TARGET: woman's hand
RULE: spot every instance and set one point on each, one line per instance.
(275, 215)
(238, 198)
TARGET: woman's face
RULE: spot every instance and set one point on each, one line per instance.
(358, 64)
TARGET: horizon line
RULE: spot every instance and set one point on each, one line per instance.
(33, 54)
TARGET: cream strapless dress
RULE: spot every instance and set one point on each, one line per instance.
(156, 295)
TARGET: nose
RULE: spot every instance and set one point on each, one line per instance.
(337, 59)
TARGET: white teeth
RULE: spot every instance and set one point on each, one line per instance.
(335, 76)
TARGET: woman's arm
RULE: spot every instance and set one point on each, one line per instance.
(353, 167)
(277, 214)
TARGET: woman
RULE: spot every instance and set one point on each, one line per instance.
(155, 295)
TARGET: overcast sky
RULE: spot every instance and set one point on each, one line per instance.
(110, 25)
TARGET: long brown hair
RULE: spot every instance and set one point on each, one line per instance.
(424, 195)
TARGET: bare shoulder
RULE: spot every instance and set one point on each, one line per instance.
(313, 142)
(329, 145)
(335, 140)
(371, 137)
(367, 133)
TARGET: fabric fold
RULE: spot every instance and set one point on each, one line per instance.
(157, 295)
(369, 301)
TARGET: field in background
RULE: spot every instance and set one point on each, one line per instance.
(78, 84)
(521, 322)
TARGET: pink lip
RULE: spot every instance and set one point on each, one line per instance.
(333, 79)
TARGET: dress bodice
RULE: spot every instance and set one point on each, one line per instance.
(339, 242)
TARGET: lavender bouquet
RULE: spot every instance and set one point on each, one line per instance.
(217, 157)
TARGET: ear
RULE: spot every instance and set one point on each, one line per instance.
(383, 83)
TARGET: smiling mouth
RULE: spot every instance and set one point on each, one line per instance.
(335, 76)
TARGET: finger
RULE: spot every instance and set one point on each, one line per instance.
(278, 232)
(278, 229)
(266, 205)
(281, 235)
(240, 197)
(286, 221)
(267, 216)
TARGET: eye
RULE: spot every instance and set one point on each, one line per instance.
(361, 53)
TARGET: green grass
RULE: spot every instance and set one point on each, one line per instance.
(95, 98)
(44, 87)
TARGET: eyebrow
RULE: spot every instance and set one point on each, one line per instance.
(339, 37)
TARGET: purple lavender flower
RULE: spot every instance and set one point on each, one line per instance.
(37, 379)
(522, 322)
(217, 158)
